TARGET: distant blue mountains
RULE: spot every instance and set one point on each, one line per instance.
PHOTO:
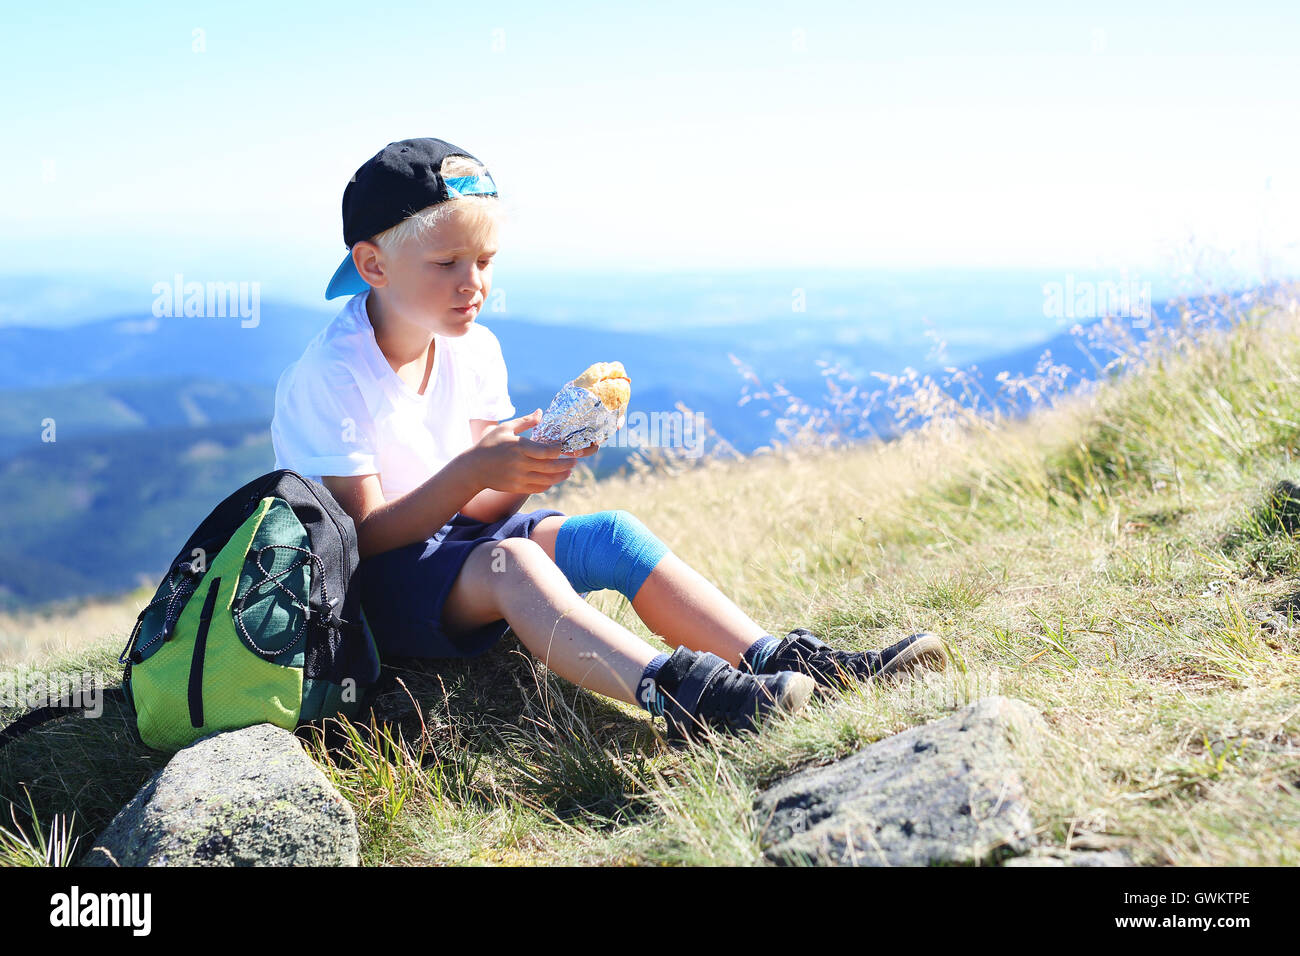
(157, 419)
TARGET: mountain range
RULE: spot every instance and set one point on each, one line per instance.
(118, 435)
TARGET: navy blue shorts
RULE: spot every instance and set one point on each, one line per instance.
(403, 590)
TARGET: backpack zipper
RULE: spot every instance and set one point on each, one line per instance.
(200, 646)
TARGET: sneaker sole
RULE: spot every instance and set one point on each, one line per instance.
(926, 652)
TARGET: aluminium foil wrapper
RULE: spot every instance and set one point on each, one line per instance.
(577, 418)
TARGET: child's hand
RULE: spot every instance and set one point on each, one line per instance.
(582, 452)
(507, 463)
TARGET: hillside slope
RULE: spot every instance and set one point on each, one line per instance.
(1119, 561)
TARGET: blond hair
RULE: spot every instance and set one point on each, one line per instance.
(484, 212)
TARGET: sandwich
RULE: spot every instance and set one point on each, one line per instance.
(587, 410)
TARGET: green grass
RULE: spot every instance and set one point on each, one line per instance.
(1123, 561)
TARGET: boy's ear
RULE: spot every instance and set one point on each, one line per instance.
(368, 259)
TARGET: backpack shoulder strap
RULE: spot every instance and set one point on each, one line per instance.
(42, 715)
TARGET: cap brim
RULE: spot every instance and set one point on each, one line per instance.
(346, 280)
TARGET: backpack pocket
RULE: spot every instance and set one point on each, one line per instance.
(202, 678)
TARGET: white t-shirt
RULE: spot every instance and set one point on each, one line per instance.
(342, 410)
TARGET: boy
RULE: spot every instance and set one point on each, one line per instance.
(396, 406)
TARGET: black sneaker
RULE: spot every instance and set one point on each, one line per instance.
(802, 651)
(702, 691)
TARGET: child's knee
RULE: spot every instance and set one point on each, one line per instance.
(515, 557)
(607, 549)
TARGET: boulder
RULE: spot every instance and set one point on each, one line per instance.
(249, 797)
(947, 792)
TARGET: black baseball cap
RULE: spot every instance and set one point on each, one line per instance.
(397, 182)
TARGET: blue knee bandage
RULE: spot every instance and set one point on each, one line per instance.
(608, 549)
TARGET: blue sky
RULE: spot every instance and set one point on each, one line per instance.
(215, 139)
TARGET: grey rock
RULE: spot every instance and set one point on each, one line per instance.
(249, 797)
(1058, 857)
(947, 792)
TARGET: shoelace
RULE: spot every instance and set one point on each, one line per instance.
(838, 663)
(853, 661)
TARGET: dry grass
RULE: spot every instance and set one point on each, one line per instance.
(29, 637)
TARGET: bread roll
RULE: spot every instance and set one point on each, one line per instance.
(608, 381)
(587, 410)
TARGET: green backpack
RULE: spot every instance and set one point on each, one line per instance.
(258, 620)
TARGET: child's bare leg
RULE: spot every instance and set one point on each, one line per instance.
(515, 580)
(679, 604)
